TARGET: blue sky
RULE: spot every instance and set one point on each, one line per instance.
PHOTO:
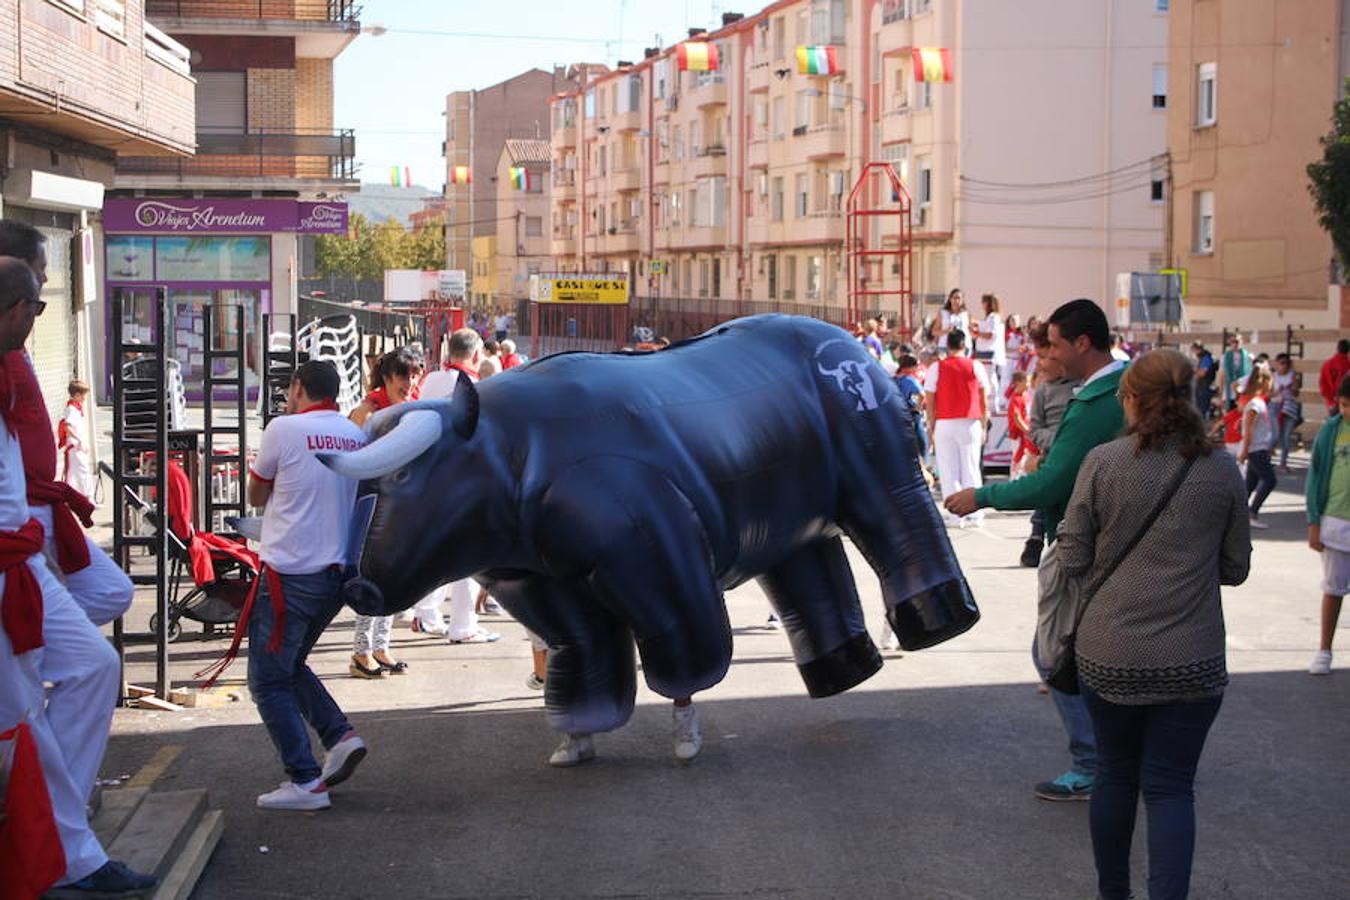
(392, 88)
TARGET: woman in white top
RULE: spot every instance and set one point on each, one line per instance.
(1258, 437)
(952, 316)
(989, 334)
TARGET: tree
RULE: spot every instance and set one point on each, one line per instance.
(1330, 187)
(368, 249)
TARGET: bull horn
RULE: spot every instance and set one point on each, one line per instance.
(414, 434)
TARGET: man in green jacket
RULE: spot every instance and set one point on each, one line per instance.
(1329, 518)
(1080, 341)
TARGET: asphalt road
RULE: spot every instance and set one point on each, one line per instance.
(917, 784)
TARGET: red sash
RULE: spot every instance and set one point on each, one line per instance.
(21, 606)
(216, 669)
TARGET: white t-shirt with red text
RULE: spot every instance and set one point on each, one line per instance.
(307, 518)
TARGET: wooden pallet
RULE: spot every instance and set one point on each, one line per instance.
(170, 834)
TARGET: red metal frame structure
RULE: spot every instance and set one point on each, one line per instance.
(866, 239)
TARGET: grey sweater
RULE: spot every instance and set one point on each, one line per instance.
(1154, 631)
(1048, 403)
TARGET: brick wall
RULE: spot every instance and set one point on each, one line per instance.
(314, 93)
(271, 99)
(47, 52)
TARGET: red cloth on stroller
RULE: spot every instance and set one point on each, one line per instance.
(203, 547)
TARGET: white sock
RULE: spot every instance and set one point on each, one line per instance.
(309, 785)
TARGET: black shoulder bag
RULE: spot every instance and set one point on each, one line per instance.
(1064, 676)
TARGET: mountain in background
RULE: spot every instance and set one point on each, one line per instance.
(382, 202)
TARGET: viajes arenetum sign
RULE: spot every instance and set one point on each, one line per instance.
(208, 215)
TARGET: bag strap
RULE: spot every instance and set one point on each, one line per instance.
(1158, 508)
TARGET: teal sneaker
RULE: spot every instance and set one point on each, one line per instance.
(1069, 786)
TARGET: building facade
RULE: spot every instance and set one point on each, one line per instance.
(83, 82)
(477, 125)
(523, 243)
(1255, 87)
(223, 228)
(735, 182)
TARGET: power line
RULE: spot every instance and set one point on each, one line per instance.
(481, 35)
(1027, 185)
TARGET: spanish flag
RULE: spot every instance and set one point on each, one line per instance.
(932, 64)
(400, 176)
(520, 178)
(817, 61)
(697, 56)
(460, 175)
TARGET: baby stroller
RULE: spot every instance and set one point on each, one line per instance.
(221, 569)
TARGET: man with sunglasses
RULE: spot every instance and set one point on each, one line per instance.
(46, 637)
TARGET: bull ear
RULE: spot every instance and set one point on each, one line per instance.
(464, 407)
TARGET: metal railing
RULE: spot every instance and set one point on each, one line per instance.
(297, 153)
(337, 11)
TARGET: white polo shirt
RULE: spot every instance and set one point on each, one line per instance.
(307, 518)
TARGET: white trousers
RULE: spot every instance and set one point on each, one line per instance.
(958, 447)
(101, 588)
(71, 730)
(463, 619)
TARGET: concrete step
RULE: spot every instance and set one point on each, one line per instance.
(170, 834)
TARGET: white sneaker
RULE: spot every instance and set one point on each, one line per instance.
(892, 642)
(688, 736)
(1258, 524)
(343, 759)
(573, 751)
(290, 795)
(534, 682)
(1321, 664)
(774, 623)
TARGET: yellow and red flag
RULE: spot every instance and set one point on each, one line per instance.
(932, 64)
(460, 175)
(697, 56)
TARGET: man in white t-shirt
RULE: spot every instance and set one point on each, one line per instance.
(466, 353)
(306, 518)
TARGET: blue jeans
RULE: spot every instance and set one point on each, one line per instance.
(1285, 430)
(1153, 749)
(287, 693)
(1073, 713)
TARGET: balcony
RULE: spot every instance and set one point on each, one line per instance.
(564, 242)
(895, 125)
(760, 75)
(626, 121)
(820, 141)
(710, 160)
(308, 155)
(564, 184)
(825, 227)
(758, 155)
(626, 179)
(565, 137)
(700, 237)
(623, 239)
(711, 93)
(321, 28)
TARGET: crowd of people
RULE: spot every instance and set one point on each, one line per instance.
(1096, 436)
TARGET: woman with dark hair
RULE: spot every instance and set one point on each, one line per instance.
(392, 381)
(1286, 412)
(951, 317)
(1150, 644)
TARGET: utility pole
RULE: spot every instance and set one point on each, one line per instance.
(1168, 209)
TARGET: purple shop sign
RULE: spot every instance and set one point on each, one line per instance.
(321, 218)
(208, 215)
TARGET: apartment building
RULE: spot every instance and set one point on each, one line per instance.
(224, 228)
(1035, 173)
(477, 125)
(522, 184)
(81, 82)
(1255, 84)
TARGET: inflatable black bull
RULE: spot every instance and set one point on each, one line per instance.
(610, 497)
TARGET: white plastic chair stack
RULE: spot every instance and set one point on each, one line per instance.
(342, 346)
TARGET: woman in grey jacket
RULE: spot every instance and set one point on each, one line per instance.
(1151, 643)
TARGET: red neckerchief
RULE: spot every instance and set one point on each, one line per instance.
(77, 404)
(21, 606)
(217, 668)
(321, 406)
(379, 398)
(462, 368)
